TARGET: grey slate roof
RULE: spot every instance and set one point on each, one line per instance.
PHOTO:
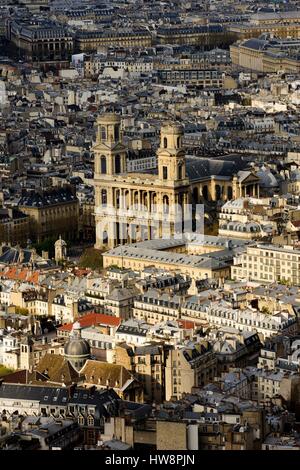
(198, 168)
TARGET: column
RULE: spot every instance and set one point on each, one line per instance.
(213, 189)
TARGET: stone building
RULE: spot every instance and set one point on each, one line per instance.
(264, 56)
(41, 40)
(92, 40)
(14, 226)
(52, 213)
(188, 366)
(147, 363)
(157, 204)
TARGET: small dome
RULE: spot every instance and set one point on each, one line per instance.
(77, 347)
(266, 178)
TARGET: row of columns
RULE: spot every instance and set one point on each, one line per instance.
(251, 189)
(140, 198)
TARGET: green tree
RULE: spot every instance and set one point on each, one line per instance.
(91, 258)
(46, 245)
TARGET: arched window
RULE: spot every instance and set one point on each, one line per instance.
(136, 199)
(117, 132)
(80, 420)
(165, 143)
(180, 171)
(166, 204)
(117, 198)
(103, 164)
(229, 192)
(103, 133)
(165, 172)
(218, 192)
(103, 197)
(178, 142)
(127, 199)
(104, 237)
(117, 164)
(90, 420)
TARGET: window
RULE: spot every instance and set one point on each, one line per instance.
(117, 164)
(103, 133)
(103, 197)
(117, 133)
(180, 171)
(103, 165)
(165, 142)
(165, 172)
(81, 420)
(90, 421)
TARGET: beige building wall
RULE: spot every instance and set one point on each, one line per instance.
(171, 436)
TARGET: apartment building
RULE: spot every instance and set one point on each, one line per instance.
(52, 213)
(148, 363)
(153, 307)
(91, 40)
(197, 78)
(268, 263)
(189, 365)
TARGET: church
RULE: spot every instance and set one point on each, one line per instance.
(131, 207)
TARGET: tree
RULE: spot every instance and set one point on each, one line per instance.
(46, 245)
(91, 258)
(265, 310)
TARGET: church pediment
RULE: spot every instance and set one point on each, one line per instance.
(248, 177)
(104, 148)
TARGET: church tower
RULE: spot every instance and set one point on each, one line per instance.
(171, 156)
(109, 165)
(109, 152)
(26, 353)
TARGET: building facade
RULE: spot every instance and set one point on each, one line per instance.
(135, 206)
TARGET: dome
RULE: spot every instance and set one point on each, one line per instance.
(77, 347)
(266, 178)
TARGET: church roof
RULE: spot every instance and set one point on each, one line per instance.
(57, 369)
(104, 373)
(198, 168)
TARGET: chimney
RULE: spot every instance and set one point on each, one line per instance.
(71, 390)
